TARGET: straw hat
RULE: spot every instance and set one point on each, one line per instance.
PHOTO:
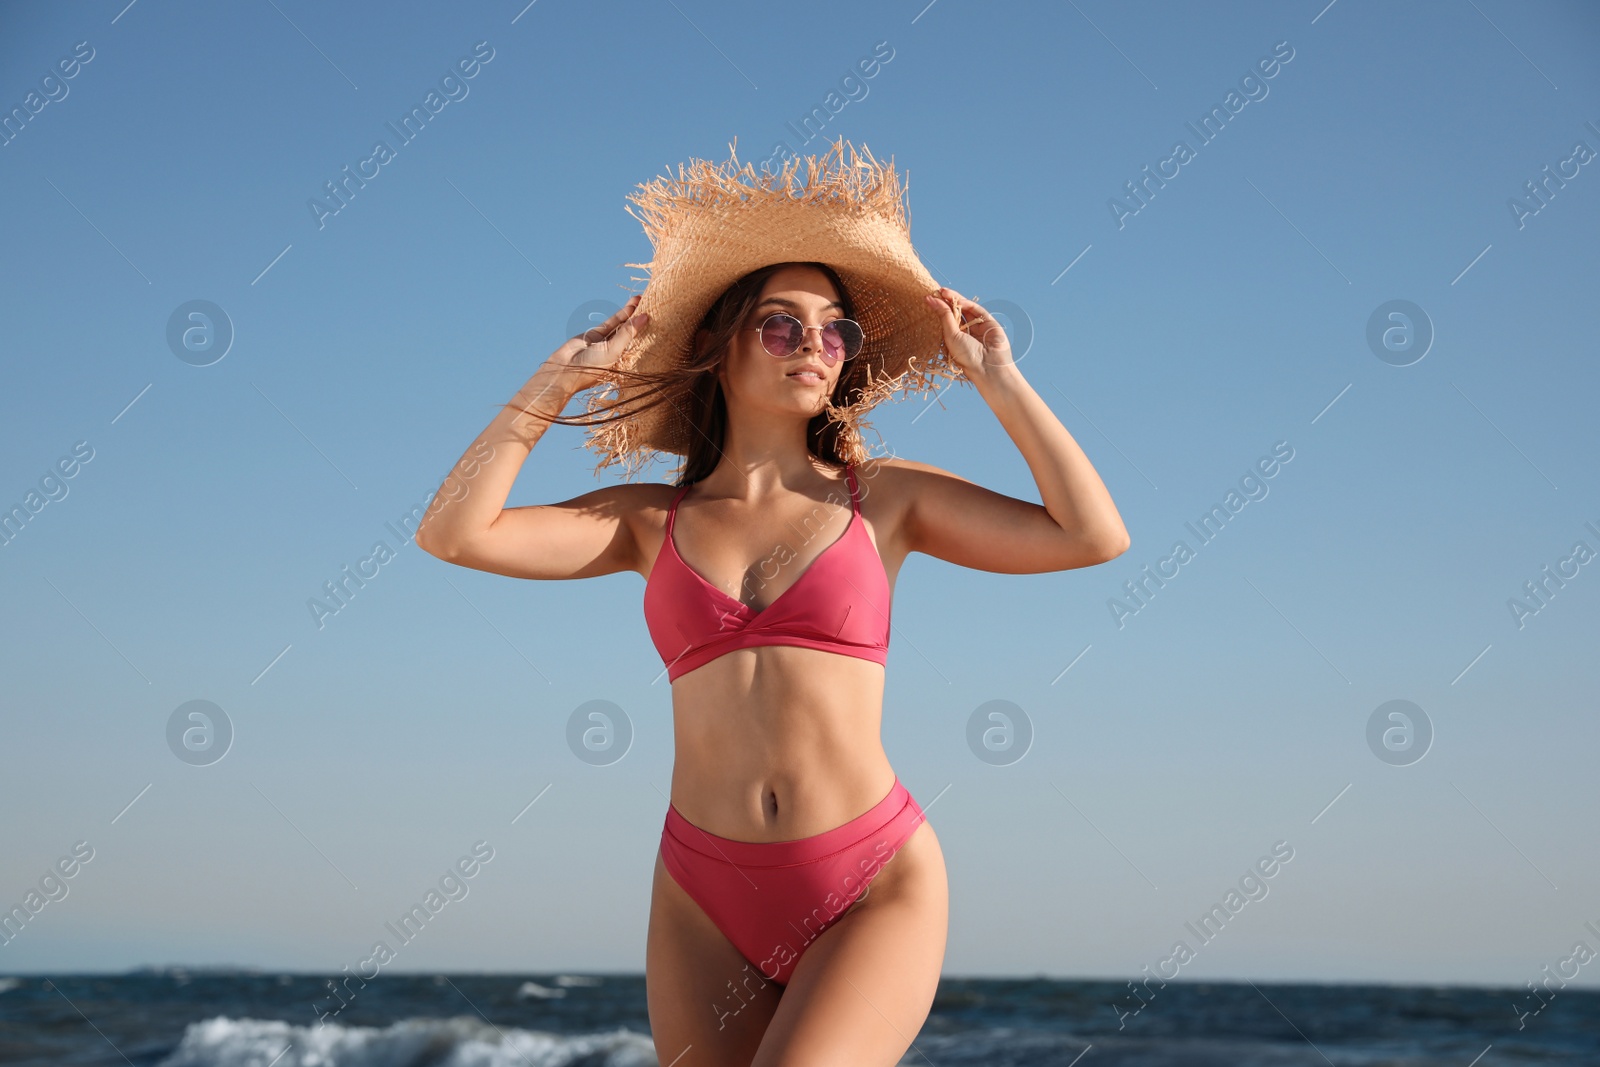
(713, 224)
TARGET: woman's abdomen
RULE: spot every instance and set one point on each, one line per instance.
(777, 743)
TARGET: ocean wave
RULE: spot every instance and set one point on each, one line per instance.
(463, 1041)
(534, 989)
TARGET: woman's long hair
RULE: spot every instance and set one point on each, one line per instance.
(694, 389)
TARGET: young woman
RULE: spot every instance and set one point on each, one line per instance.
(764, 946)
(784, 310)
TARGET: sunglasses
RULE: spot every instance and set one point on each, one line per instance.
(782, 335)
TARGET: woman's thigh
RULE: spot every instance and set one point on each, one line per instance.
(708, 1005)
(863, 988)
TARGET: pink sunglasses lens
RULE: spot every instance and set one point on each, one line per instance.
(780, 335)
(842, 339)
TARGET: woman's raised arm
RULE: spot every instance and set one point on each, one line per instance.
(467, 522)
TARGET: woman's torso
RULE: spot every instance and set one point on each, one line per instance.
(777, 742)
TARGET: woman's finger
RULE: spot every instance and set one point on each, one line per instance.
(622, 336)
(964, 317)
(624, 312)
(941, 306)
(958, 313)
(595, 335)
(964, 312)
(967, 310)
(984, 327)
(971, 315)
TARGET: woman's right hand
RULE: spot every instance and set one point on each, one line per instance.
(588, 355)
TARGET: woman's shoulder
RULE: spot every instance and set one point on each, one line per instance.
(633, 496)
(641, 506)
(899, 483)
(899, 476)
(652, 498)
(895, 482)
(897, 463)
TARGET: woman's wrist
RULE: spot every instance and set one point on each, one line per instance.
(547, 392)
(1001, 383)
(556, 381)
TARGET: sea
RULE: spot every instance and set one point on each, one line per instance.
(176, 1017)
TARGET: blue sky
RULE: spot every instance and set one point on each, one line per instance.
(1182, 338)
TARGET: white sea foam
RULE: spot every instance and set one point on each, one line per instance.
(534, 989)
(464, 1041)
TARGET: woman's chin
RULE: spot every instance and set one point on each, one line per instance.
(800, 403)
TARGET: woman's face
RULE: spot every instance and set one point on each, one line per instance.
(796, 385)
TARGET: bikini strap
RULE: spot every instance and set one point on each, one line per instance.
(673, 510)
(850, 476)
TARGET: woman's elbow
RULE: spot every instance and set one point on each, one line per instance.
(435, 546)
(1107, 548)
(1118, 546)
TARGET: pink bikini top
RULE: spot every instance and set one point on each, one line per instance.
(840, 603)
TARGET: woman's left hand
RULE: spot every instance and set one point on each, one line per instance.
(975, 340)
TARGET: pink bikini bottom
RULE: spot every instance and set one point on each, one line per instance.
(771, 899)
